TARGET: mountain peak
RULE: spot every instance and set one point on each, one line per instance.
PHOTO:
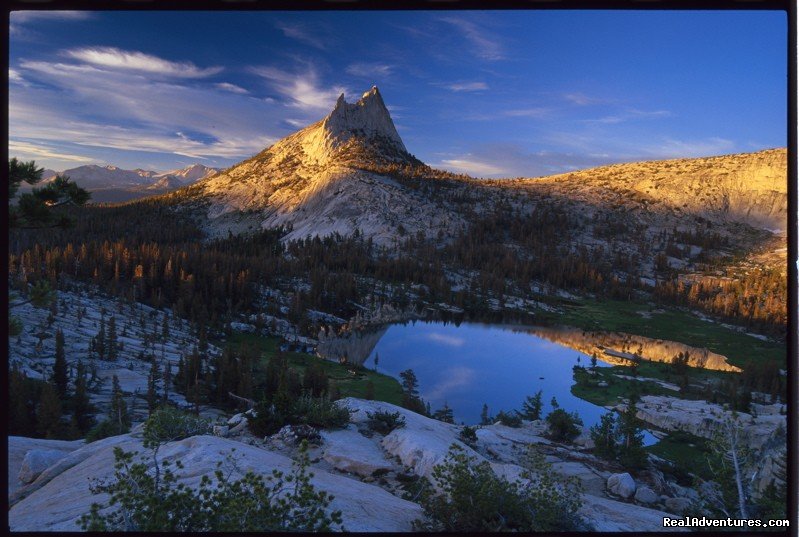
(367, 117)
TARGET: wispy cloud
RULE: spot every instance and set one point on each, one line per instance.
(232, 88)
(629, 115)
(369, 70)
(301, 33)
(484, 44)
(471, 166)
(14, 77)
(27, 150)
(672, 148)
(450, 341)
(20, 29)
(303, 90)
(535, 112)
(511, 160)
(581, 99)
(298, 123)
(467, 86)
(28, 16)
(120, 109)
(115, 58)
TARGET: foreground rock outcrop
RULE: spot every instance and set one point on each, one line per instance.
(362, 468)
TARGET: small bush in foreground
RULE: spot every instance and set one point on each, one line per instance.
(167, 424)
(468, 435)
(563, 426)
(509, 420)
(147, 503)
(474, 499)
(384, 422)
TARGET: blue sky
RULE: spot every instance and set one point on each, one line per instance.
(493, 94)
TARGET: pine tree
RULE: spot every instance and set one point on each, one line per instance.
(531, 408)
(60, 375)
(631, 451)
(100, 340)
(118, 412)
(444, 414)
(111, 345)
(49, 413)
(152, 390)
(82, 419)
(605, 437)
(485, 419)
(410, 386)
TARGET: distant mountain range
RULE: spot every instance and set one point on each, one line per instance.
(113, 184)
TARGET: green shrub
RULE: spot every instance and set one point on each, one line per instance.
(104, 429)
(318, 412)
(154, 501)
(508, 419)
(472, 498)
(384, 422)
(468, 435)
(167, 424)
(563, 426)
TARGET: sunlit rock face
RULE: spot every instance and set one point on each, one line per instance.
(618, 348)
(330, 177)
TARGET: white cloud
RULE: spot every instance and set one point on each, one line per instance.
(536, 112)
(115, 58)
(302, 34)
(299, 123)
(28, 16)
(671, 148)
(27, 150)
(467, 86)
(469, 165)
(14, 77)
(629, 114)
(303, 90)
(581, 99)
(232, 88)
(369, 70)
(125, 110)
(485, 45)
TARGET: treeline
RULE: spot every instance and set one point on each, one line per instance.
(757, 298)
(146, 251)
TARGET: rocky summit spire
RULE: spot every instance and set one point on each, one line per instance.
(367, 117)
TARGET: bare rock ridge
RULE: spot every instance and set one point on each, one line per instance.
(322, 180)
(346, 173)
(368, 116)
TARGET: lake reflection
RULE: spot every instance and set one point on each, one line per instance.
(468, 365)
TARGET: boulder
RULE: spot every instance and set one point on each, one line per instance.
(18, 447)
(677, 505)
(235, 420)
(36, 461)
(221, 430)
(240, 428)
(622, 485)
(646, 495)
(349, 451)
